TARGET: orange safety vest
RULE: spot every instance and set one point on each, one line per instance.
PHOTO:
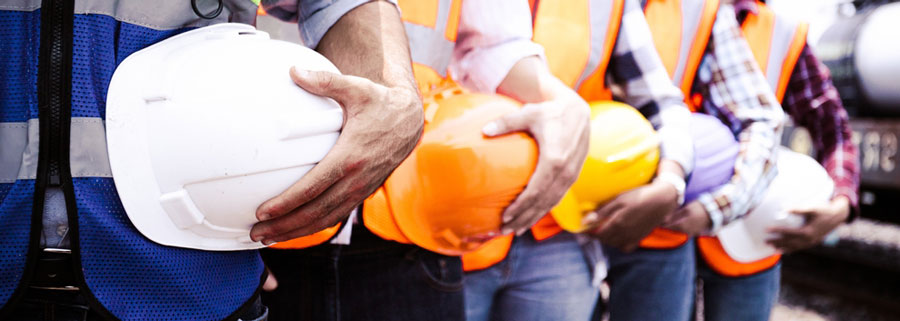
(776, 43)
(561, 27)
(431, 26)
(681, 31)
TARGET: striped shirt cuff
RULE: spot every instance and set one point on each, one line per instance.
(714, 211)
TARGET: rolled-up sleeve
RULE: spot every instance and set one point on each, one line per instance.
(493, 35)
(314, 17)
(735, 91)
(639, 78)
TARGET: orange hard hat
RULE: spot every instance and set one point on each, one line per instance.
(449, 194)
(623, 154)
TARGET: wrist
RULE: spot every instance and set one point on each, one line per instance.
(710, 207)
(841, 206)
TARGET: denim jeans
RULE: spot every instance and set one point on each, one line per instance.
(548, 280)
(55, 305)
(650, 284)
(746, 298)
(370, 279)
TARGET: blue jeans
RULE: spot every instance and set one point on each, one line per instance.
(370, 279)
(651, 284)
(746, 298)
(548, 280)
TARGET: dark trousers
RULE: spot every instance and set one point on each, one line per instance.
(52, 296)
(370, 279)
(40, 305)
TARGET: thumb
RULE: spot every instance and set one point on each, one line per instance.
(806, 213)
(342, 88)
(516, 121)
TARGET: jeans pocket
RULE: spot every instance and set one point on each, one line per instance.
(443, 273)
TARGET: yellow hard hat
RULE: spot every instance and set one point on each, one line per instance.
(623, 154)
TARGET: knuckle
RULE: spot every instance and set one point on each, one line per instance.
(324, 81)
(275, 206)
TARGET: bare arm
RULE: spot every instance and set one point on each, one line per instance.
(559, 121)
(382, 123)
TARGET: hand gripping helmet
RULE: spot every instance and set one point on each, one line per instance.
(449, 195)
(623, 154)
(715, 152)
(801, 183)
(205, 126)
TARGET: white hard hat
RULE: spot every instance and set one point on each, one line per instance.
(801, 183)
(205, 126)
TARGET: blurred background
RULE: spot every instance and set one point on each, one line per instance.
(857, 278)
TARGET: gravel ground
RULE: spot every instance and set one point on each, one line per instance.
(872, 238)
(806, 305)
(872, 232)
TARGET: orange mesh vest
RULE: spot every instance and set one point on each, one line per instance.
(431, 26)
(578, 38)
(776, 43)
(681, 30)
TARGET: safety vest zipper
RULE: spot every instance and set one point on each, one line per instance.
(54, 113)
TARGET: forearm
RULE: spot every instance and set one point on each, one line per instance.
(370, 42)
(530, 81)
(814, 104)
(735, 90)
(754, 171)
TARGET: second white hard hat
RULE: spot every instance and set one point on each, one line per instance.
(801, 183)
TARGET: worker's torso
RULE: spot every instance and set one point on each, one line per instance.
(57, 59)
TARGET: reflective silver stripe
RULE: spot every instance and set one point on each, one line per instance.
(13, 139)
(20, 5)
(691, 17)
(155, 14)
(600, 13)
(429, 46)
(87, 149)
(168, 14)
(782, 37)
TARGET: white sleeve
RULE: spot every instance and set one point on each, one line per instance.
(493, 35)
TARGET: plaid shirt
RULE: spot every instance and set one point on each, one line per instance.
(735, 90)
(638, 78)
(812, 101)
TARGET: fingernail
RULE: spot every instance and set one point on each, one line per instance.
(264, 216)
(268, 242)
(301, 72)
(506, 219)
(490, 129)
(505, 231)
(256, 238)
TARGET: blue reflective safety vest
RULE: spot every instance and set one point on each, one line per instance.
(56, 62)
